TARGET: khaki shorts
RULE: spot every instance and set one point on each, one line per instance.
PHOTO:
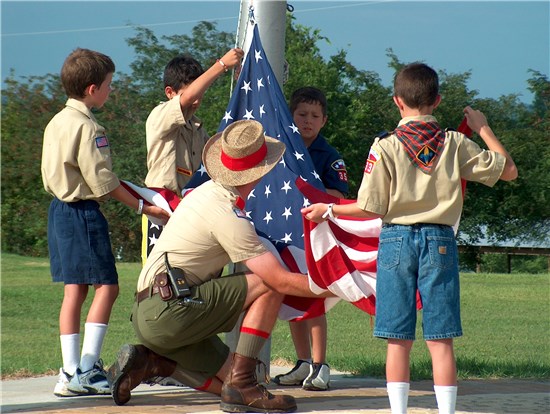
(188, 332)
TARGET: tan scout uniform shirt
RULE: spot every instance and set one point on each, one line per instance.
(175, 141)
(393, 187)
(206, 232)
(76, 157)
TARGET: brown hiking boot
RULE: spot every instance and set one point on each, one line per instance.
(135, 363)
(241, 392)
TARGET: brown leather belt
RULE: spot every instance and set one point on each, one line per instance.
(148, 292)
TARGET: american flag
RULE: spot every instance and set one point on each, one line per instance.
(338, 255)
(274, 205)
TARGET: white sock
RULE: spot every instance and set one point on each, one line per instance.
(70, 352)
(446, 398)
(398, 393)
(91, 346)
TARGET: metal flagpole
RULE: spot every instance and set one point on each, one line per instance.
(270, 15)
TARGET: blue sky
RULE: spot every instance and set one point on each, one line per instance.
(498, 41)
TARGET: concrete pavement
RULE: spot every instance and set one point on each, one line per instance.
(348, 394)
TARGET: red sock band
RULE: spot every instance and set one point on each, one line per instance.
(205, 386)
(256, 332)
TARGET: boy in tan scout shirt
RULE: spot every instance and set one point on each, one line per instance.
(77, 171)
(175, 136)
(412, 181)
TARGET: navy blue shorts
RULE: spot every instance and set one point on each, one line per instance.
(79, 244)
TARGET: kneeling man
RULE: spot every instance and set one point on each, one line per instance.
(209, 229)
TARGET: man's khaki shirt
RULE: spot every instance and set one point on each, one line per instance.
(76, 157)
(206, 232)
(175, 141)
(394, 188)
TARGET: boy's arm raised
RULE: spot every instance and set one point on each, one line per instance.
(198, 87)
(478, 123)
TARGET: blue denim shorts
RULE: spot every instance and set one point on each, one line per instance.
(421, 257)
(79, 244)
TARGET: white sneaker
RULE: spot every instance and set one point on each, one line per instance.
(318, 379)
(61, 389)
(296, 375)
(91, 382)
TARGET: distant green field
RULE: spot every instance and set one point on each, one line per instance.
(506, 322)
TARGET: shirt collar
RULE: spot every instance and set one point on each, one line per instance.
(80, 107)
(421, 118)
(318, 143)
(233, 195)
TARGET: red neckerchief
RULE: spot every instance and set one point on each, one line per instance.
(423, 142)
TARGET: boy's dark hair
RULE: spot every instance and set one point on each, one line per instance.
(417, 84)
(82, 68)
(308, 94)
(181, 71)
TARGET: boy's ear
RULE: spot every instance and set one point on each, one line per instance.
(169, 91)
(398, 102)
(90, 89)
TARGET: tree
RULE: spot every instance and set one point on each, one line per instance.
(359, 107)
(26, 109)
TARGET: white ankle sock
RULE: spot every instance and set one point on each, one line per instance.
(91, 346)
(70, 352)
(446, 398)
(398, 393)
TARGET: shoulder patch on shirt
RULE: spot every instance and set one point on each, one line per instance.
(372, 159)
(338, 165)
(101, 142)
(240, 213)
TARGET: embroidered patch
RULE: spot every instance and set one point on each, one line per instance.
(426, 155)
(184, 171)
(442, 249)
(338, 165)
(343, 176)
(371, 160)
(101, 142)
(240, 213)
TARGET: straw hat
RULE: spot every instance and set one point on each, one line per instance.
(241, 153)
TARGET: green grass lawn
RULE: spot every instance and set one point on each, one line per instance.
(506, 323)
